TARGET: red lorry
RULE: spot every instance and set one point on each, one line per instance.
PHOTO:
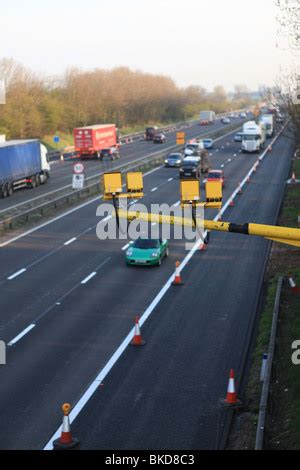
(96, 141)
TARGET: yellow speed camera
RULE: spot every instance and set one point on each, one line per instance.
(135, 184)
(112, 183)
(214, 194)
(189, 192)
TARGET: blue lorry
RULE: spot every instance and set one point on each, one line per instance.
(23, 163)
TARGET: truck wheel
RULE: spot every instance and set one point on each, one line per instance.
(10, 190)
(33, 181)
(4, 191)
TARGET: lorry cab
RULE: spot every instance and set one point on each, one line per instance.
(151, 132)
(254, 137)
(45, 165)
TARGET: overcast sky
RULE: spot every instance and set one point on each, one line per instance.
(202, 42)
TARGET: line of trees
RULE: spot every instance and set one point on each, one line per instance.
(38, 106)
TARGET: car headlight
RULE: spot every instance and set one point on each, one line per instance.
(129, 252)
(166, 161)
(181, 170)
(178, 161)
(154, 255)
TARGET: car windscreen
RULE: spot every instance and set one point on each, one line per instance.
(191, 147)
(251, 137)
(214, 175)
(174, 156)
(146, 244)
(189, 164)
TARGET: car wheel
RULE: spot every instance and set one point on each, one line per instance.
(33, 182)
(4, 191)
(38, 180)
(167, 252)
(10, 190)
(159, 262)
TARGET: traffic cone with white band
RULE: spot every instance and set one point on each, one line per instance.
(137, 337)
(294, 288)
(66, 440)
(177, 279)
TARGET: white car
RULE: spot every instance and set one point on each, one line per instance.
(225, 120)
(243, 115)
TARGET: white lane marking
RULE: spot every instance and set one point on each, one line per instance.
(228, 143)
(21, 271)
(114, 358)
(229, 160)
(70, 241)
(235, 155)
(222, 166)
(170, 179)
(153, 189)
(90, 276)
(125, 247)
(176, 204)
(153, 223)
(23, 333)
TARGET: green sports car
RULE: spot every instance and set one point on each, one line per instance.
(147, 251)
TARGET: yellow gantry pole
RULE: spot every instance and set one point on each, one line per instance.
(289, 236)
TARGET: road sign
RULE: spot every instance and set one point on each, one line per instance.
(78, 168)
(78, 181)
(56, 139)
(180, 138)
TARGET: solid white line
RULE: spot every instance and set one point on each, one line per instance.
(88, 278)
(170, 179)
(23, 333)
(70, 241)
(153, 189)
(21, 271)
(125, 247)
(222, 166)
(176, 204)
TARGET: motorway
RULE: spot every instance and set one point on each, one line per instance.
(68, 301)
(61, 172)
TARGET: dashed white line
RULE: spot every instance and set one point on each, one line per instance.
(153, 223)
(153, 189)
(229, 160)
(88, 278)
(125, 247)
(222, 166)
(21, 271)
(70, 241)
(23, 333)
(170, 179)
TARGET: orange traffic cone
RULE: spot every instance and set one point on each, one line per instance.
(177, 279)
(231, 399)
(137, 337)
(270, 148)
(248, 179)
(203, 247)
(66, 440)
(231, 204)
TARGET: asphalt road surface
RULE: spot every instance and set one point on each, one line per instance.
(68, 300)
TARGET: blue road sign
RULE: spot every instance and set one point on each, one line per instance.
(56, 139)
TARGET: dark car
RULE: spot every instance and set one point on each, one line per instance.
(238, 137)
(190, 168)
(151, 132)
(159, 139)
(173, 160)
(112, 153)
(216, 175)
